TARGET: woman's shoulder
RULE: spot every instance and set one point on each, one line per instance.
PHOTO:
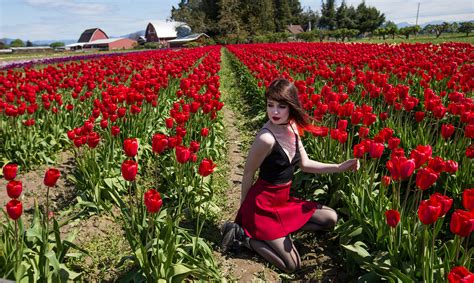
(265, 136)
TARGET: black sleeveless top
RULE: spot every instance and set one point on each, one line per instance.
(277, 168)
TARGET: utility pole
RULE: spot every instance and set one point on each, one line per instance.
(417, 13)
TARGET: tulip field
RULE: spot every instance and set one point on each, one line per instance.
(147, 136)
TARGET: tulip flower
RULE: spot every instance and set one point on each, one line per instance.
(14, 209)
(429, 211)
(421, 154)
(159, 143)
(51, 177)
(462, 222)
(130, 146)
(342, 125)
(9, 171)
(437, 164)
(359, 150)
(14, 189)
(182, 154)
(450, 166)
(206, 167)
(459, 274)
(93, 139)
(115, 130)
(169, 123)
(393, 217)
(376, 149)
(447, 130)
(194, 146)
(363, 132)
(129, 170)
(419, 116)
(425, 178)
(204, 132)
(468, 199)
(445, 201)
(393, 143)
(386, 181)
(152, 200)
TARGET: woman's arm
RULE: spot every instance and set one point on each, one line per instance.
(261, 147)
(315, 167)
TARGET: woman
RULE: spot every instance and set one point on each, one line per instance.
(268, 214)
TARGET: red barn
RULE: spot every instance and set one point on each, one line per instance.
(92, 34)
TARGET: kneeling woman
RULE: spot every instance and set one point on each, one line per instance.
(268, 214)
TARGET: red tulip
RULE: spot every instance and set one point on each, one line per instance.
(169, 123)
(468, 199)
(393, 217)
(359, 150)
(51, 177)
(376, 149)
(129, 170)
(421, 154)
(419, 116)
(425, 178)
(14, 209)
(445, 201)
(115, 130)
(14, 189)
(182, 154)
(393, 142)
(342, 125)
(462, 222)
(363, 132)
(194, 146)
(459, 274)
(447, 130)
(386, 181)
(71, 134)
(470, 151)
(9, 171)
(130, 146)
(437, 164)
(93, 139)
(451, 166)
(206, 167)
(429, 211)
(152, 200)
(469, 131)
(159, 143)
(204, 132)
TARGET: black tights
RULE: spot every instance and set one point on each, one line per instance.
(282, 252)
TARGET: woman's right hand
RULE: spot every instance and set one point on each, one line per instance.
(351, 164)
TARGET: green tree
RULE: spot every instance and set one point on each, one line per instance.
(282, 15)
(56, 44)
(391, 28)
(407, 31)
(437, 29)
(17, 43)
(191, 12)
(228, 19)
(309, 18)
(343, 19)
(368, 18)
(296, 12)
(328, 15)
(466, 27)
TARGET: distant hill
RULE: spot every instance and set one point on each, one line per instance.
(40, 42)
(132, 35)
(437, 22)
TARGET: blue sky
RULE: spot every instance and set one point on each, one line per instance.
(67, 19)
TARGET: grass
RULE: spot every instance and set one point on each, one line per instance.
(422, 38)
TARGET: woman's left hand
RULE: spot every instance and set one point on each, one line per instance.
(351, 164)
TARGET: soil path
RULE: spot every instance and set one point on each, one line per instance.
(244, 266)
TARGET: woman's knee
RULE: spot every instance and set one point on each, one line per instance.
(328, 217)
(292, 267)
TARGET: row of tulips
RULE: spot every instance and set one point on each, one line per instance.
(99, 106)
(378, 103)
(35, 251)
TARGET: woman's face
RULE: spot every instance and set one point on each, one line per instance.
(278, 112)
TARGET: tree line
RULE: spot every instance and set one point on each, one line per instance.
(270, 18)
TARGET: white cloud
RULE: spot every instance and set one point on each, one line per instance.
(72, 7)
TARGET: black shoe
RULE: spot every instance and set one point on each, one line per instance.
(232, 236)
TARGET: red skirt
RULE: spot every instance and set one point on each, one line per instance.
(268, 212)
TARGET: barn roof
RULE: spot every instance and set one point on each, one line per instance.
(88, 33)
(166, 29)
(188, 38)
